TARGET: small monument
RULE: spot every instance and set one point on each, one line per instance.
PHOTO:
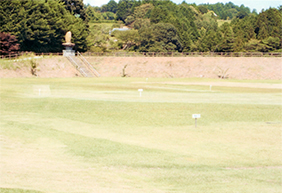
(68, 45)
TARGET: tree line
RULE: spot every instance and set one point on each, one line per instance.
(40, 26)
(160, 26)
(155, 26)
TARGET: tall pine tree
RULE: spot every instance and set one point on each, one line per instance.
(227, 42)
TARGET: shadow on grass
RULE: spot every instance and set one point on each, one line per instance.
(17, 190)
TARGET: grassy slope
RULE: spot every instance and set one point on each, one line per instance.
(221, 22)
(98, 134)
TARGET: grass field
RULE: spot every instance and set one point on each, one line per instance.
(99, 135)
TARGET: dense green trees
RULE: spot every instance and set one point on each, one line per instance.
(124, 9)
(128, 40)
(259, 32)
(161, 25)
(76, 7)
(227, 40)
(110, 7)
(269, 24)
(228, 10)
(40, 26)
(197, 28)
(93, 15)
(159, 37)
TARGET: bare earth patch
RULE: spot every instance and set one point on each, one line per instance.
(54, 67)
(187, 67)
(253, 68)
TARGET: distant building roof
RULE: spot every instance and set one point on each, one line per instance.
(118, 29)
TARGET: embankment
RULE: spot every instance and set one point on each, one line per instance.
(171, 67)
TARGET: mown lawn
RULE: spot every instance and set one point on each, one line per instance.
(99, 135)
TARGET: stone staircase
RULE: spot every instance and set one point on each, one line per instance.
(83, 66)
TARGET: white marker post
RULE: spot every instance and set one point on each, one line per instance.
(210, 87)
(196, 116)
(140, 91)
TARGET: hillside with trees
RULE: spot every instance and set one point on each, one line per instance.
(152, 26)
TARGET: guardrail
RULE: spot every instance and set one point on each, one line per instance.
(95, 72)
(77, 66)
(155, 54)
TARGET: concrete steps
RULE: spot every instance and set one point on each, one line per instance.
(83, 66)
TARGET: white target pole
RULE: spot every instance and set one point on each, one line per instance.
(140, 92)
(196, 116)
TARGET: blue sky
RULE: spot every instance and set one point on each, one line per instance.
(252, 4)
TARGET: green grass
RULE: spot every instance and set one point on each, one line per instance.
(101, 24)
(10, 64)
(221, 22)
(10, 190)
(20, 62)
(88, 135)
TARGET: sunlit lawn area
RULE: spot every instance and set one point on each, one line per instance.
(101, 135)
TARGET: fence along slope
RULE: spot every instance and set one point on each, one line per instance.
(157, 54)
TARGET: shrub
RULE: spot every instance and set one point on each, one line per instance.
(8, 44)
